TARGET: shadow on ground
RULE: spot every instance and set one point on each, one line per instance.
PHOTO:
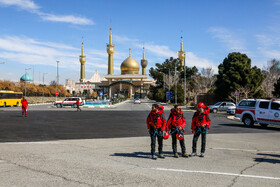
(268, 160)
(141, 154)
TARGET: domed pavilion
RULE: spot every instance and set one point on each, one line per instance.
(129, 83)
(26, 77)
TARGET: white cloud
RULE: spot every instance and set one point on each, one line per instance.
(30, 6)
(227, 38)
(193, 60)
(22, 4)
(29, 51)
(159, 50)
(67, 19)
(269, 45)
(123, 39)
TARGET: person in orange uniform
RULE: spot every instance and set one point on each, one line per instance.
(176, 122)
(156, 124)
(200, 125)
(24, 105)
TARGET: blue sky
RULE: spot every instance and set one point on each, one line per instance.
(37, 33)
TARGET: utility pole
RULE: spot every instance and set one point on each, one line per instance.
(44, 84)
(56, 81)
(25, 81)
(175, 84)
(185, 89)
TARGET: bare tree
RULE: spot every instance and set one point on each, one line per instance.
(207, 79)
(272, 74)
(169, 80)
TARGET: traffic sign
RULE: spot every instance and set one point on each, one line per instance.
(100, 94)
(169, 95)
(236, 93)
(56, 93)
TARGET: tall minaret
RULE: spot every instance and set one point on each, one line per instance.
(144, 63)
(83, 61)
(110, 51)
(181, 55)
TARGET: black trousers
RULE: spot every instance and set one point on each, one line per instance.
(78, 108)
(174, 143)
(153, 141)
(203, 142)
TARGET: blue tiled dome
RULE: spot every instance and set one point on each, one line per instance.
(27, 78)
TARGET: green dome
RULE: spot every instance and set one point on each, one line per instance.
(26, 78)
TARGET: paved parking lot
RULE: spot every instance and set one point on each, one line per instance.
(62, 147)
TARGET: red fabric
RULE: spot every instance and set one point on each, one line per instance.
(205, 120)
(176, 119)
(207, 110)
(24, 111)
(78, 102)
(24, 103)
(159, 118)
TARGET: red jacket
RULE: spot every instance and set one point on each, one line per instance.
(200, 119)
(156, 120)
(176, 119)
(78, 102)
(24, 103)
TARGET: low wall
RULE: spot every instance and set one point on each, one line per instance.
(35, 100)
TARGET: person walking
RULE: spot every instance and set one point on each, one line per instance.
(176, 123)
(156, 124)
(78, 105)
(200, 125)
(24, 105)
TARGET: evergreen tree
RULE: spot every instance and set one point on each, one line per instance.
(236, 73)
(276, 91)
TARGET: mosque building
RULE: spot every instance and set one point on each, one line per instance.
(128, 84)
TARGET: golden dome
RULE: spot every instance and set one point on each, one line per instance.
(130, 66)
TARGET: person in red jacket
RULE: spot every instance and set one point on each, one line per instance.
(176, 123)
(78, 105)
(156, 124)
(24, 105)
(200, 125)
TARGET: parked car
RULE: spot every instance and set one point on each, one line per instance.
(231, 110)
(260, 111)
(137, 101)
(221, 106)
(70, 101)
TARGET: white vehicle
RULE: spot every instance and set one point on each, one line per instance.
(137, 101)
(221, 106)
(70, 101)
(231, 110)
(259, 111)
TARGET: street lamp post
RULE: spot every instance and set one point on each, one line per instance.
(56, 81)
(44, 84)
(25, 81)
(175, 84)
(185, 97)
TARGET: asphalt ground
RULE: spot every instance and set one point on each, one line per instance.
(69, 124)
(62, 147)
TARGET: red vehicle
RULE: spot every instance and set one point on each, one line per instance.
(71, 101)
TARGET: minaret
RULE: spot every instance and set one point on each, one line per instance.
(110, 51)
(181, 55)
(83, 61)
(144, 63)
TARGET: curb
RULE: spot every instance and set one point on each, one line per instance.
(98, 106)
(39, 104)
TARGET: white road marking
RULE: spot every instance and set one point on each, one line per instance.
(248, 150)
(20, 143)
(218, 173)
